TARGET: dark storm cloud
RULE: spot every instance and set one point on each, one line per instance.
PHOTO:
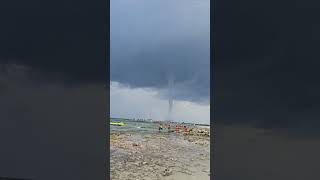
(267, 94)
(267, 65)
(246, 153)
(152, 41)
(64, 37)
(52, 92)
(50, 131)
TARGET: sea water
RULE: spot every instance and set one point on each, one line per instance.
(143, 127)
(134, 126)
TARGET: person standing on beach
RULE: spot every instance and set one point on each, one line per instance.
(185, 130)
(177, 129)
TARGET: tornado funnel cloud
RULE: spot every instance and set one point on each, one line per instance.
(170, 97)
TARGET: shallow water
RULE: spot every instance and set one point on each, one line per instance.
(134, 126)
(143, 127)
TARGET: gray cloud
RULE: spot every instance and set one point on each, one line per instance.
(152, 40)
(52, 96)
(49, 130)
(56, 37)
(267, 66)
(266, 91)
(144, 103)
(247, 153)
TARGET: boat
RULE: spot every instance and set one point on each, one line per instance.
(117, 123)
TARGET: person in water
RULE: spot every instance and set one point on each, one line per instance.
(185, 130)
(169, 127)
(160, 127)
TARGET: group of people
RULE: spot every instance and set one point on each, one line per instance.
(177, 130)
(164, 125)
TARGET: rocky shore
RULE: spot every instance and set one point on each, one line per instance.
(160, 156)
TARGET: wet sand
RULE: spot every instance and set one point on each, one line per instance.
(159, 156)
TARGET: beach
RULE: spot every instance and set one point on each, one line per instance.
(159, 156)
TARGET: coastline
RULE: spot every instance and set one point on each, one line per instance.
(159, 156)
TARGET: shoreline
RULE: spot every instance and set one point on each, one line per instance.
(158, 156)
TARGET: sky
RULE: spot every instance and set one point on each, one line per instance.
(268, 67)
(266, 89)
(266, 85)
(145, 103)
(152, 42)
(53, 98)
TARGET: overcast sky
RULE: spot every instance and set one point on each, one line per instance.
(267, 90)
(152, 41)
(53, 100)
(53, 70)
